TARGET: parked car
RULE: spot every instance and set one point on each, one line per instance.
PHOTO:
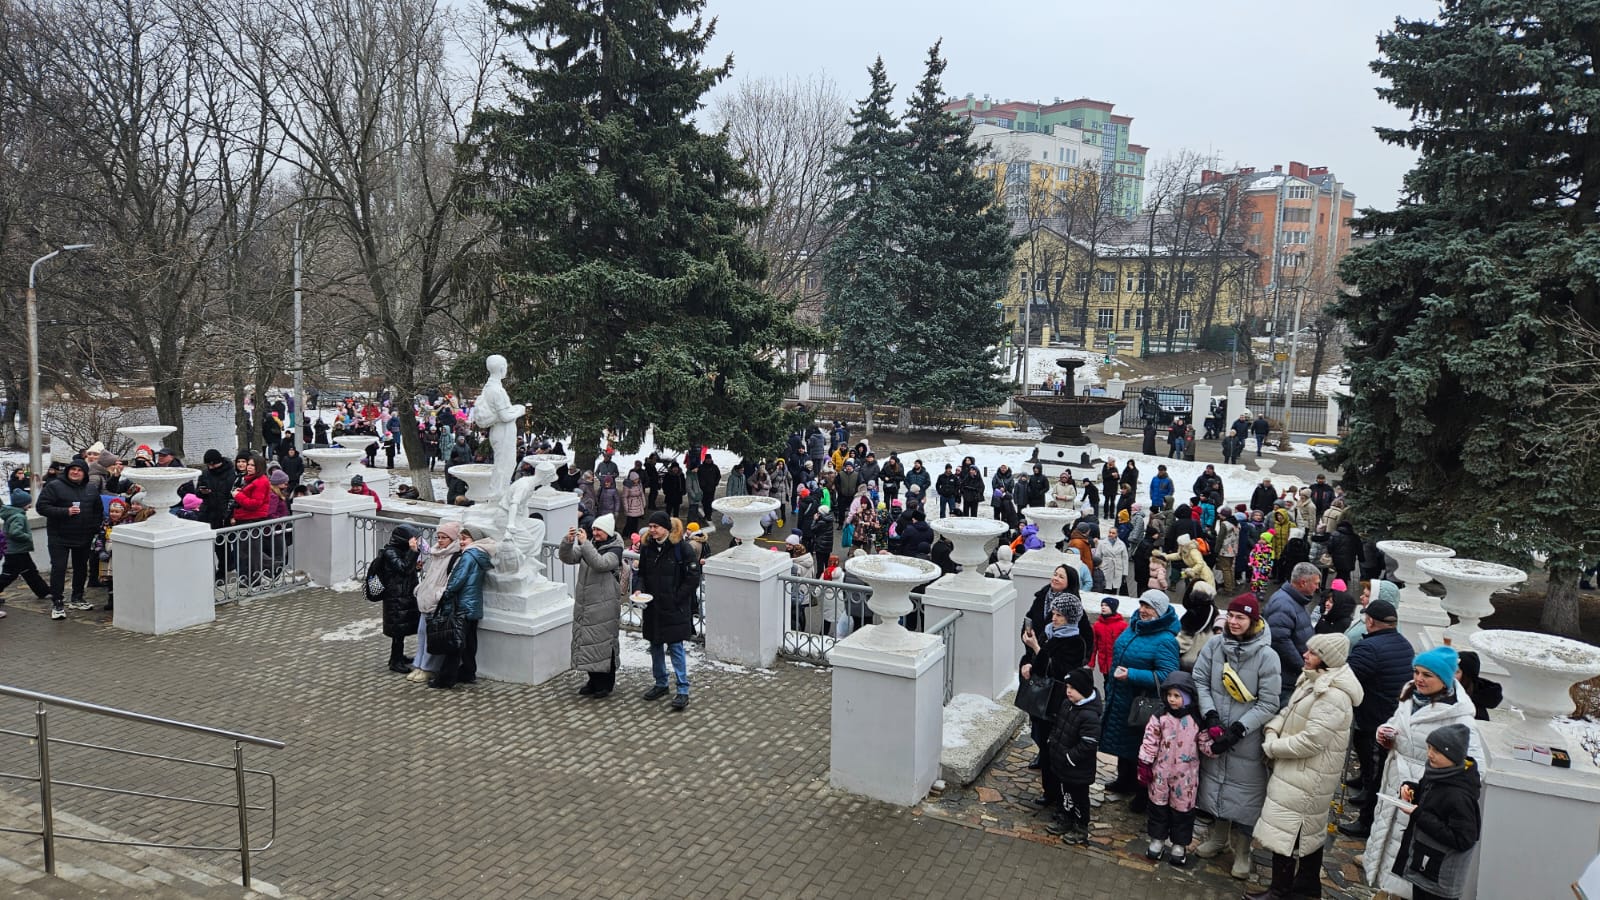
(1163, 404)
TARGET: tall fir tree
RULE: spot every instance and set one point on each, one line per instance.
(959, 254)
(1459, 309)
(862, 265)
(632, 298)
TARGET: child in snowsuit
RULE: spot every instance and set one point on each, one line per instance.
(1442, 837)
(1169, 767)
(1073, 747)
(1107, 629)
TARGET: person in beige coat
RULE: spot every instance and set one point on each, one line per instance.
(1306, 742)
(597, 610)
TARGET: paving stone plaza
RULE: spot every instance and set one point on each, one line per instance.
(387, 789)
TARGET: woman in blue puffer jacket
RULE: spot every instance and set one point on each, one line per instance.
(1144, 655)
(464, 590)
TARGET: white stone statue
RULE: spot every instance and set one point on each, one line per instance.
(522, 537)
(496, 413)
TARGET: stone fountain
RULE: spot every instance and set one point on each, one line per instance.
(1422, 617)
(888, 691)
(1067, 414)
(1468, 585)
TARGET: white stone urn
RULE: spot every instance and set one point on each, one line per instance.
(479, 479)
(971, 537)
(160, 485)
(1542, 669)
(1468, 584)
(337, 464)
(1406, 555)
(1053, 522)
(1265, 463)
(951, 442)
(746, 511)
(152, 436)
(891, 579)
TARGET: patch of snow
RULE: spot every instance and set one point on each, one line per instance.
(961, 714)
(359, 630)
(346, 587)
(635, 654)
(1583, 737)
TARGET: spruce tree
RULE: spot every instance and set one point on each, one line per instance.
(631, 297)
(959, 255)
(1460, 307)
(861, 268)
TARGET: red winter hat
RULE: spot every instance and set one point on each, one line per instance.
(1248, 605)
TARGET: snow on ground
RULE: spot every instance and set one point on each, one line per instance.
(962, 714)
(359, 630)
(1042, 363)
(636, 655)
(1237, 481)
(1583, 738)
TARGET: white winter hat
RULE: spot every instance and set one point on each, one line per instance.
(792, 539)
(1184, 540)
(606, 523)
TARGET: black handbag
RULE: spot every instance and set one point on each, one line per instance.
(1139, 712)
(1034, 695)
(446, 629)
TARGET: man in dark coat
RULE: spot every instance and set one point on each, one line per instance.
(72, 507)
(1263, 497)
(1344, 546)
(972, 491)
(710, 476)
(1322, 495)
(1290, 623)
(1381, 662)
(669, 571)
(948, 488)
(1260, 428)
(1038, 487)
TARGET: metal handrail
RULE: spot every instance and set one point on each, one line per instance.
(42, 741)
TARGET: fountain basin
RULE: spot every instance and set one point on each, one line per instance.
(1052, 521)
(1067, 414)
(969, 535)
(891, 579)
(160, 485)
(1542, 668)
(152, 436)
(337, 464)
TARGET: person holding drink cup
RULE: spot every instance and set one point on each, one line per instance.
(72, 506)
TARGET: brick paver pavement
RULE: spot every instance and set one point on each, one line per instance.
(389, 789)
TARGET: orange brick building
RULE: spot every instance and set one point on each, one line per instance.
(1297, 221)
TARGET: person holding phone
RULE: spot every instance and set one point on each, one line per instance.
(597, 610)
(72, 506)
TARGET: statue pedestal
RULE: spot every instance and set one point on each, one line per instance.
(985, 647)
(888, 713)
(1080, 456)
(325, 544)
(745, 606)
(165, 576)
(526, 633)
(560, 512)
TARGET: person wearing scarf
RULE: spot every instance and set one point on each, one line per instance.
(435, 572)
(1442, 834)
(1063, 651)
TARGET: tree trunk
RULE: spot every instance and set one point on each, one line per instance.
(904, 425)
(1316, 364)
(1561, 606)
(416, 457)
(241, 415)
(169, 411)
(866, 414)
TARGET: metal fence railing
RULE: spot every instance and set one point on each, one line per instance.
(372, 532)
(945, 628)
(1306, 416)
(815, 607)
(256, 558)
(233, 796)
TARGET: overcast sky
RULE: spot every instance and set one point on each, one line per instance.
(1254, 82)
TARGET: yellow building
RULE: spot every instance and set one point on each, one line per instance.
(1146, 295)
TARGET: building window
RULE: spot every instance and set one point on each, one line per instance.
(1301, 214)
(1127, 319)
(1022, 282)
(1255, 240)
(1183, 319)
(811, 281)
(1186, 283)
(1105, 319)
(1297, 237)
(1138, 318)
(1080, 283)
(1299, 192)
(1293, 260)
(1255, 218)
(1108, 282)
(1038, 284)
(1078, 318)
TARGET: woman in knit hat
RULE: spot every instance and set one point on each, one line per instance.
(1447, 820)
(1433, 699)
(1054, 652)
(1306, 741)
(1238, 680)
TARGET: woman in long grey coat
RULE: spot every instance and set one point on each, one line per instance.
(1237, 678)
(597, 606)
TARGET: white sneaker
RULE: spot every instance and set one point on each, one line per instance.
(58, 612)
(79, 604)
(1155, 849)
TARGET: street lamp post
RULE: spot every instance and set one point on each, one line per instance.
(35, 415)
(1289, 376)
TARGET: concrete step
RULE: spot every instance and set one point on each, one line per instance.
(85, 870)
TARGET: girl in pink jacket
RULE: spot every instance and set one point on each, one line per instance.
(1169, 765)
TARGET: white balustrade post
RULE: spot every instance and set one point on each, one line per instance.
(1330, 428)
(1200, 407)
(888, 692)
(984, 654)
(324, 545)
(744, 598)
(165, 576)
(1114, 389)
(559, 511)
(1237, 392)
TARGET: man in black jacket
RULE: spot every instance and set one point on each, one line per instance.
(1322, 495)
(948, 487)
(72, 507)
(215, 487)
(669, 571)
(1264, 497)
(1382, 663)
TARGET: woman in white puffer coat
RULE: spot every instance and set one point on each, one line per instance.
(1433, 699)
(1306, 742)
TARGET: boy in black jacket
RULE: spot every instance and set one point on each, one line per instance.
(1439, 843)
(1074, 743)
